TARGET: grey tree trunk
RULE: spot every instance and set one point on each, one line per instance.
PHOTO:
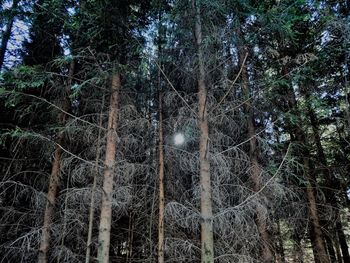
(161, 186)
(93, 190)
(207, 237)
(106, 207)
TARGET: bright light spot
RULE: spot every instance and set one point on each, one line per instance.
(179, 139)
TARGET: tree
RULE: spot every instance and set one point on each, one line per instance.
(225, 138)
(207, 238)
(106, 208)
(5, 37)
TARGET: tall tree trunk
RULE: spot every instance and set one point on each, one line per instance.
(256, 171)
(316, 234)
(337, 248)
(106, 207)
(55, 177)
(207, 237)
(161, 151)
(330, 247)
(331, 183)
(7, 33)
(342, 241)
(161, 185)
(93, 190)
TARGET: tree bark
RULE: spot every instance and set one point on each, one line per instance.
(161, 186)
(296, 131)
(7, 33)
(337, 248)
(207, 238)
(330, 248)
(316, 235)
(256, 171)
(342, 241)
(55, 177)
(106, 207)
(331, 183)
(93, 190)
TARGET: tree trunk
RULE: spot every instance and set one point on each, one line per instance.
(330, 248)
(207, 239)
(256, 171)
(342, 241)
(55, 177)
(51, 201)
(106, 207)
(337, 248)
(7, 33)
(93, 190)
(316, 235)
(161, 186)
(330, 183)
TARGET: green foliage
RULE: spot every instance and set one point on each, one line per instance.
(24, 78)
(16, 134)
(19, 81)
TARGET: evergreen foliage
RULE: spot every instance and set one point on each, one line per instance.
(276, 101)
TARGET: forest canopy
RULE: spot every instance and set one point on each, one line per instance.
(175, 131)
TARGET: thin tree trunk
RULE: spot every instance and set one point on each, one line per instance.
(161, 154)
(330, 182)
(51, 201)
(161, 185)
(130, 238)
(342, 241)
(207, 238)
(106, 207)
(54, 178)
(7, 33)
(93, 190)
(337, 248)
(316, 235)
(256, 171)
(330, 248)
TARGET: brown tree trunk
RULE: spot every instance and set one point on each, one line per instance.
(161, 186)
(342, 241)
(51, 201)
(106, 207)
(7, 33)
(256, 171)
(54, 178)
(207, 237)
(93, 190)
(331, 186)
(316, 234)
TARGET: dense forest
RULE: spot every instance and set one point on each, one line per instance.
(175, 131)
